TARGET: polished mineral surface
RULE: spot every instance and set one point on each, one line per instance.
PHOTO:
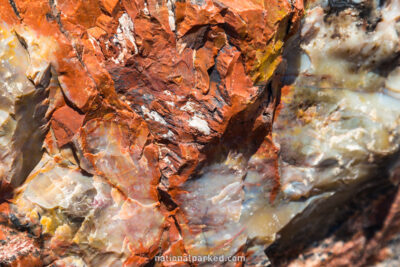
(136, 130)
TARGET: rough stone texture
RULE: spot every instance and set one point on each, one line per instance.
(135, 129)
(150, 115)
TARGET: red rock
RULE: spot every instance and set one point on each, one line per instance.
(65, 124)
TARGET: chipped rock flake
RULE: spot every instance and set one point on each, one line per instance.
(21, 105)
(171, 14)
(200, 124)
(124, 37)
(153, 115)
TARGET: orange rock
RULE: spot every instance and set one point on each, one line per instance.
(109, 5)
(17, 247)
(65, 124)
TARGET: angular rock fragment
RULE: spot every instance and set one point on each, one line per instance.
(24, 79)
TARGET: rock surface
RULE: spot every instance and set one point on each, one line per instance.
(136, 130)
